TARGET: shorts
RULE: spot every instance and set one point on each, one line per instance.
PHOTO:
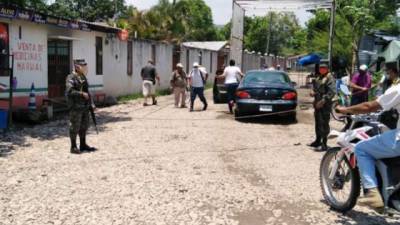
(148, 88)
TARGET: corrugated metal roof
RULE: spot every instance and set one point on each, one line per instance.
(206, 45)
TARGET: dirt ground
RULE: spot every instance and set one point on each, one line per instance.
(162, 165)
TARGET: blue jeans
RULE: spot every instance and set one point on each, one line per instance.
(231, 91)
(197, 91)
(367, 152)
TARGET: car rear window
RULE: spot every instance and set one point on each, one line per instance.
(266, 78)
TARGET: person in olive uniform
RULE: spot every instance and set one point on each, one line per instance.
(77, 91)
(323, 93)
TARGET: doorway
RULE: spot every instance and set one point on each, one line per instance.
(59, 65)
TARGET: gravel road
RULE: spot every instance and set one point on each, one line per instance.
(161, 165)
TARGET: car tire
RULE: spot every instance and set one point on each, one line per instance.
(292, 118)
(237, 115)
(216, 95)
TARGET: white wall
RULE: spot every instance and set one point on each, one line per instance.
(210, 65)
(117, 82)
(35, 36)
(33, 44)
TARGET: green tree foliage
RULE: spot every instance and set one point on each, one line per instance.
(38, 5)
(354, 19)
(184, 20)
(93, 10)
(277, 29)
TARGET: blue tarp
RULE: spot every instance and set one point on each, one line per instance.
(309, 59)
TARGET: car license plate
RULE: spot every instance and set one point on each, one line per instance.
(266, 108)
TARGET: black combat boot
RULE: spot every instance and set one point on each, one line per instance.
(324, 146)
(84, 146)
(316, 143)
(74, 148)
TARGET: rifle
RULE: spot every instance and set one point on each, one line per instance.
(92, 114)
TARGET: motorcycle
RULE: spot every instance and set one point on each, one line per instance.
(339, 175)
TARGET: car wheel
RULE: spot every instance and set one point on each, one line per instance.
(292, 118)
(237, 115)
(216, 95)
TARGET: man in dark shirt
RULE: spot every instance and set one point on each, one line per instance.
(149, 76)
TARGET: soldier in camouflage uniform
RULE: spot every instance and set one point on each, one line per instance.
(323, 93)
(77, 90)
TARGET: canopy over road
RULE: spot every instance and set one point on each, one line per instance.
(240, 7)
(283, 5)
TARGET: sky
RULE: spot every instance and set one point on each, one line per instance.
(221, 9)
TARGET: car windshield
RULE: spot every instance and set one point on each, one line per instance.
(265, 78)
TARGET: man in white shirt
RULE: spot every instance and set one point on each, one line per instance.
(197, 80)
(382, 146)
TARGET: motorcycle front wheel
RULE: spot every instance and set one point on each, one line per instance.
(341, 192)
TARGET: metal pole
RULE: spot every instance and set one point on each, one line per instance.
(269, 33)
(11, 88)
(331, 34)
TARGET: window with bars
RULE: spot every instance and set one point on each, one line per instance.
(130, 58)
(99, 55)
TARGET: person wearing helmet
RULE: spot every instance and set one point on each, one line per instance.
(360, 84)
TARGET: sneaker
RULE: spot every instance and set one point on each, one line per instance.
(373, 200)
(145, 104)
(205, 107)
(191, 110)
(155, 102)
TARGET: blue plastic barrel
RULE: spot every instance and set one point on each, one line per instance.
(3, 118)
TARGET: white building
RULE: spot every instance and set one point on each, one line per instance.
(44, 47)
(213, 55)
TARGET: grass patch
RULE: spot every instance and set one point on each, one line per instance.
(162, 92)
(135, 96)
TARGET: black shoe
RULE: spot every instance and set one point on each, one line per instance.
(205, 107)
(323, 148)
(315, 144)
(155, 102)
(191, 110)
(75, 150)
(87, 148)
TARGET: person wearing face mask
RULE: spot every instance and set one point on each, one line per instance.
(323, 93)
(77, 92)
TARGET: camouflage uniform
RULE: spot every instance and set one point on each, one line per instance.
(79, 107)
(324, 89)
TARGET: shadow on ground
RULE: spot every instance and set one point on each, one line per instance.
(58, 128)
(360, 218)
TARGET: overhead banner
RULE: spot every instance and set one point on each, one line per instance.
(7, 12)
(237, 34)
(22, 14)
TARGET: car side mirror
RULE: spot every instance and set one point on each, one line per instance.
(294, 84)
